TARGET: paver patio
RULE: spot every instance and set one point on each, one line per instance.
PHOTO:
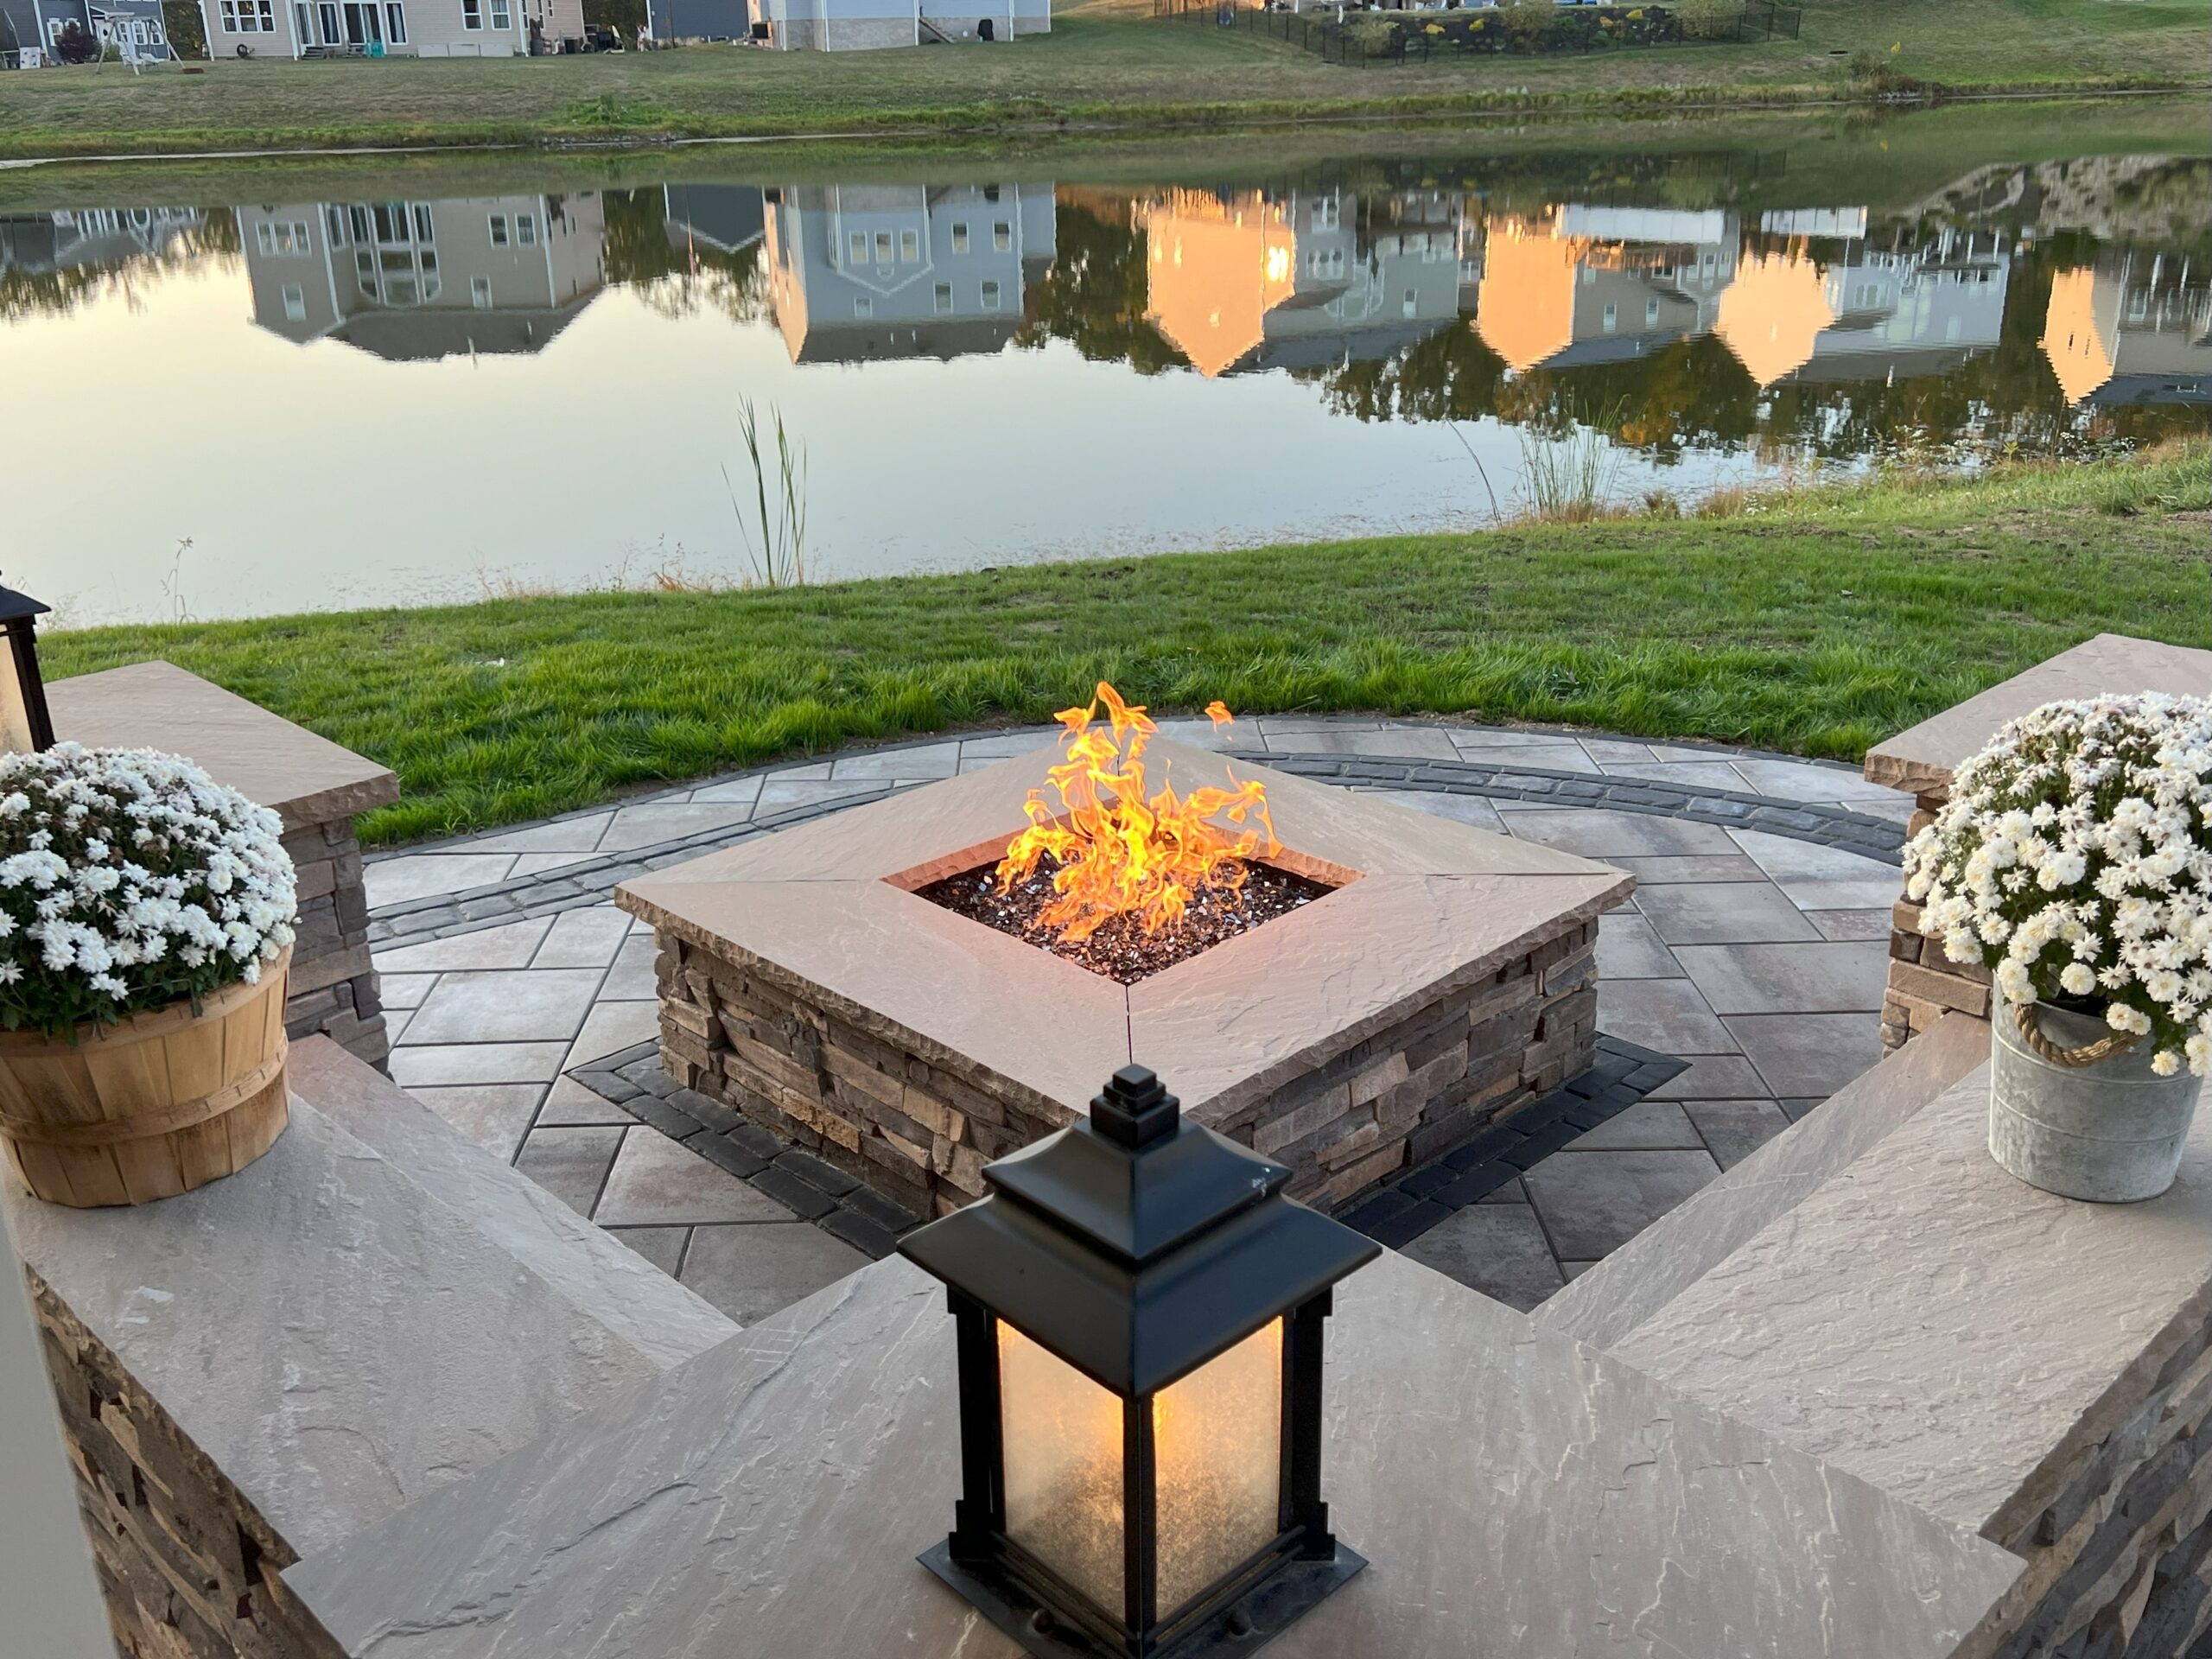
(1757, 958)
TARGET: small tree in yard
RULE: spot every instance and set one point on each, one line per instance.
(1527, 22)
(1706, 20)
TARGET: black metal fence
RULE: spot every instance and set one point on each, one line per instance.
(1364, 38)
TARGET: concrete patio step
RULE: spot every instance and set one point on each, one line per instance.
(1636, 1282)
(598, 1275)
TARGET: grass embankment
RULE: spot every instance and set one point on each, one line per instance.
(1106, 62)
(1816, 623)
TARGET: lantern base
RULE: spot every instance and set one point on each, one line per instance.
(1243, 1626)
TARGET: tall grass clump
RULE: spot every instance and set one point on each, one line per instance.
(775, 542)
(1568, 480)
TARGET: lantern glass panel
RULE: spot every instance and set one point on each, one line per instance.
(1062, 1435)
(1218, 1450)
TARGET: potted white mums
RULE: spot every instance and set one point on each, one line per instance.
(2074, 861)
(146, 916)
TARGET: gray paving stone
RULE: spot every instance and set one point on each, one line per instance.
(750, 1272)
(1477, 738)
(571, 1164)
(1794, 780)
(587, 937)
(1629, 948)
(1734, 1129)
(572, 836)
(1681, 774)
(511, 946)
(1667, 1014)
(397, 880)
(1557, 756)
(1597, 834)
(1721, 912)
(658, 1182)
(646, 826)
(506, 1006)
(1713, 1076)
(568, 1102)
(1690, 867)
(494, 1115)
(630, 978)
(1497, 1248)
(1425, 742)
(933, 760)
(662, 1246)
(405, 991)
(1592, 1202)
(609, 1029)
(1845, 925)
(1807, 1056)
(1611, 752)
(782, 793)
(459, 1062)
(545, 863)
(1821, 878)
(1648, 1126)
(1464, 809)
(1000, 746)
(1818, 978)
(729, 791)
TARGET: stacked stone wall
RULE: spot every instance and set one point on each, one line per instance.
(1923, 984)
(2120, 1563)
(334, 990)
(920, 1129)
(187, 1567)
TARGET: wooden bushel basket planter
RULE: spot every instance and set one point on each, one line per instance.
(155, 1106)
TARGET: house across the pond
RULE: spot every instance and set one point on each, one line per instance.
(858, 25)
(34, 28)
(379, 29)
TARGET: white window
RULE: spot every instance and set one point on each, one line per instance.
(1650, 312)
(242, 17)
(395, 23)
(1002, 236)
(526, 227)
(990, 296)
(500, 19)
(863, 306)
(883, 247)
(472, 14)
(425, 227)
(860, 247)
(910, 246)
(1612, 316)
(1325, 213)
(959, 238)
(54, 24)
(479, 293)
(296, 303)
(1409, 304)
(278, 236)
(498, 224)
(943, 296)
(333, 223)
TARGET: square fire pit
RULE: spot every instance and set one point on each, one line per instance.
(1444, 980)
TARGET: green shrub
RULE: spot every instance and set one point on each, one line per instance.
(1527, 22)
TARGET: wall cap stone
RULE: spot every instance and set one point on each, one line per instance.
(305, 778)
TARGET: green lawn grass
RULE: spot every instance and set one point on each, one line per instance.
(1107, 61)
(1816, 623)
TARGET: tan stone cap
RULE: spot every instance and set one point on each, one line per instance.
(1923, 759)
(306, 778)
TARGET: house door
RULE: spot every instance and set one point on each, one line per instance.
(362, 23)
(333, 32)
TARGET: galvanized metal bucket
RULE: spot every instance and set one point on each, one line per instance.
(2108, 1129)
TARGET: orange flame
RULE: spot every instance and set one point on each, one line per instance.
(1121, 852)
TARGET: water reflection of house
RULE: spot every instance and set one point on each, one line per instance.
(1249, 281)
(726, 218)
(858, 272)
(1858, 313)
(1583, 285)
(2130, 329)
(86, 237)
(421, 280)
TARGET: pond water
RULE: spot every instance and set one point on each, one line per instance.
(406, 393)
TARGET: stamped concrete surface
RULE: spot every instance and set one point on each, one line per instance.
(1755, 956)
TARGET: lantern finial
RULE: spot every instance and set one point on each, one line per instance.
(1136, 1109)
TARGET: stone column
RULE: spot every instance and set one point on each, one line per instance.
(315, 787)
(1923, 984)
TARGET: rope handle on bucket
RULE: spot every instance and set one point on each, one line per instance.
(2031, 1028)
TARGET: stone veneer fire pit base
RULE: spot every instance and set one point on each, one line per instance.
(1447, 984)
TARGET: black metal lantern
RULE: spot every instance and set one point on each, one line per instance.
(25, 724)
(1139, 1312)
